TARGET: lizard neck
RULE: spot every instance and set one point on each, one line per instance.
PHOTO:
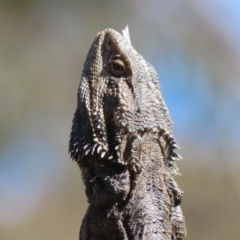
(149, 200)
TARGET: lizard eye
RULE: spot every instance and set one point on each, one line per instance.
(117, 67)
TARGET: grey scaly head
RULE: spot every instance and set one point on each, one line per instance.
(118, 98)
(120, 107)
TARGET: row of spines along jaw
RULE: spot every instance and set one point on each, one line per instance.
(170, 153)
(169, 148)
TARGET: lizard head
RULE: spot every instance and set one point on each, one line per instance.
(119, 99)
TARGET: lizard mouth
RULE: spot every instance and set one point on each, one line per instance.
(118, 116)
(114, 129)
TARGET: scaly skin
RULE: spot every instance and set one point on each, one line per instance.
(122, 140)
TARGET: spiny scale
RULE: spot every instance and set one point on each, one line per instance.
(122, 140)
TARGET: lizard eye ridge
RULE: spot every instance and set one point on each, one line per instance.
(117, 67)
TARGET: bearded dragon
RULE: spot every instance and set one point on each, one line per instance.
(123, 142)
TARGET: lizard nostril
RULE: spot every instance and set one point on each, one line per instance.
(109, 44)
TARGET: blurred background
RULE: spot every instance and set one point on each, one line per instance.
(195, 47)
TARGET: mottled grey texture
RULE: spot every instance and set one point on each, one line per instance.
(122, 140)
